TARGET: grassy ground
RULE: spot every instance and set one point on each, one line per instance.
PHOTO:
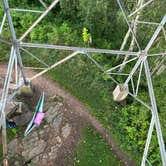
(85, 81)
(93, 151)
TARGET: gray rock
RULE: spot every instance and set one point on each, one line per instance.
(20, 114)
(59, 140)
(57, 122)
(41, 146)
(66, 130)
(33, 146)
(52, 112)
(16, 163)
(13, 147)
(53, 152)
(34, 150)
(23, 119)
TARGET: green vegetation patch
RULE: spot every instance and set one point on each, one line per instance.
(93, 151)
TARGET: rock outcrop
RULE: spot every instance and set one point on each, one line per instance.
(41, 146)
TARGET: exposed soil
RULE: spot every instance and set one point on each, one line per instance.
(52, 88)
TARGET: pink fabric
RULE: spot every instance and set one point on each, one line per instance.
(39, 118)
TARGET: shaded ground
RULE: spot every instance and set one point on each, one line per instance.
(51, 89)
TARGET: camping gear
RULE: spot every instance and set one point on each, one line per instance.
(10, 124)
(37, 117)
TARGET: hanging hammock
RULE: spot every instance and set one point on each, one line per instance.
(37, 117)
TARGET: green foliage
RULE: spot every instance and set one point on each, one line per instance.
(1, 152)
(63, 34)
(103, 19)
(92, 150)
(86, 36)
(14, 131)
(106, 77)
(11, 133)
(69, 9)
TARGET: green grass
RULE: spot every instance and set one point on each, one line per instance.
(84, 80)
(93, 151)
(1, 152)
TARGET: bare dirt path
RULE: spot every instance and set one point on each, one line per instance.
(52, 88)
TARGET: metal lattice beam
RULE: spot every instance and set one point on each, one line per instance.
(39, 19)
(141, 55)
(70, 48)
(155, 113)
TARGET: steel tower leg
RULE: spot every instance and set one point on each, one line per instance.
(7, 80)
(145, 154)
(12, 30)
(3, 104)
(155, 113)
(151, 92)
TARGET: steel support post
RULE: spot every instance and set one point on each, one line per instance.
(153, 101)
(155, 113)
(41, 1)
(39, 19)
(143, 6)
(55, 65)
(139, 78)
(125, 62)
(16, 72)
(3, 22)
(159, 28)
(128, 23)
(145, 154)
(11, 27)
(86, 50)
(35, 57)
(26, 10)
(3, 104)
(133, 70)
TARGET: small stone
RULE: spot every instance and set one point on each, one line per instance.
(58, 139)
(41, 132)
(57, 122)
(46, 126)
(44, 156)
(53, 152)
(22, 119)
(16, 163)
(52, 112)
(20, 114)
(66, 130)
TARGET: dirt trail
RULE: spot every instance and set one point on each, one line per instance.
(52, 88)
